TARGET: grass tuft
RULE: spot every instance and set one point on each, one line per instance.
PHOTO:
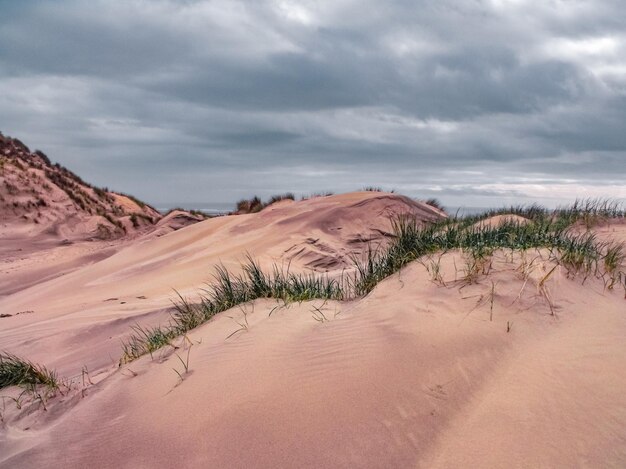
(579, 252)
(16, 371)
(255, 204)
(227, 291)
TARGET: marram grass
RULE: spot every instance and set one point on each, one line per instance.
(16, 371)
(229, 290)
(552, 230)
(579, 252)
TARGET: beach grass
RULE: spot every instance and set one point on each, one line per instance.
(16, 371)
(578, 251)
(227, 291)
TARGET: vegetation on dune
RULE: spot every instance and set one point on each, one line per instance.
(200, 213)
(280, 197)
(227, 291)
(589, 212)
(115, 222)
(103, 194)
(578, 252)
(29, 181)
(316, 195)
(560, 232)
(195, 213)
(550, 229)
(435, 203)
(15, 371)
(140, 203)
(38, 384)
(252, 205)
(135, 217)
(255, 204)
(43, 156)
(377, 189)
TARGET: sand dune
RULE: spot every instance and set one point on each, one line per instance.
(139, 280)
(47, 203)
(413, 375)
(518, 369)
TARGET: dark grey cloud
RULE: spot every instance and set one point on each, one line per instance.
(476, 102)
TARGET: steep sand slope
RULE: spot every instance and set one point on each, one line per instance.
(86, 312)
(48, 203)
(52, 222)
(415, 374)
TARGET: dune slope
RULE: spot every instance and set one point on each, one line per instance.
(418, 373)
(53, 222)
(103, 299)
(48, 203)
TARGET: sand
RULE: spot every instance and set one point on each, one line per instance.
(420, 373)
(138, 283)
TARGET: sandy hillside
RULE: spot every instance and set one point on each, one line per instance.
(414, 375)
(90, 309)
(46, 202)
(520, 367)
(52, 222)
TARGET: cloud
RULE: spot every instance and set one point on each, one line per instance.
(477, 102)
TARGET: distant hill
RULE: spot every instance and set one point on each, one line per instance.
(42, 199)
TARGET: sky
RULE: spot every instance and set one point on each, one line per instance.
(477, 103)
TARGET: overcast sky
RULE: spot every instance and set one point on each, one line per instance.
(476, 102)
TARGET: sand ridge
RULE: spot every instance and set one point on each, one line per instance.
(424, 371)
(415, 374)
(139, 281)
